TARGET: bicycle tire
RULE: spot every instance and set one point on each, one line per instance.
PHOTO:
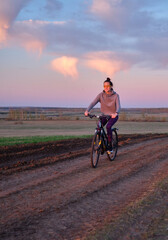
(95, 150)
(112, 155)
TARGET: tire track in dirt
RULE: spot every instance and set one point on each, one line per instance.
(66, 170)
(27, 157)
(70, 199)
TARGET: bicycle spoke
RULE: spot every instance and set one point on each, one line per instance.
(98, 146)
(112, 154)
(95, 152)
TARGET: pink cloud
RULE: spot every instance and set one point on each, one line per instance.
(31, 34)
(4, 24)
(105, 62)
(25, 33)
(101, 7)
(66, 66)
(3, 32)
(34, 45)
(8, 12)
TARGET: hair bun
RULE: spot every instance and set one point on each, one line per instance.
(109, 81)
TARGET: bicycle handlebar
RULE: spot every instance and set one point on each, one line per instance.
(99, 117)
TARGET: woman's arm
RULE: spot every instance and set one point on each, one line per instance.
(95, 101)
(118, 106)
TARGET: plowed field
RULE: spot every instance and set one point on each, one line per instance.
(49, 191)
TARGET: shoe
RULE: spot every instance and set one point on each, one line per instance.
(109, 152)
(109, 147)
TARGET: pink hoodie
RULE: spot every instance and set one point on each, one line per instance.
(110, 103)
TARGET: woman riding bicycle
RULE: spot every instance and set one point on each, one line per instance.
(110, 105)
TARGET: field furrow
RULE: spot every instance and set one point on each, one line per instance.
(64, 198)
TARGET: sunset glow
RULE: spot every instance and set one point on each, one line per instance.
(65, 65)
(102, 62)
(58, 53)
(100, 7)
(34, 46)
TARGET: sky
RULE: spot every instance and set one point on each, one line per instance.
(57, 53)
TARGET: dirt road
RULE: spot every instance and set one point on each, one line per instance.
(49, 191)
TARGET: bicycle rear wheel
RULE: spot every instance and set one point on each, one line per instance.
(112, 154)
(95, 150)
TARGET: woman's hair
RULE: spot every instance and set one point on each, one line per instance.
(109, 81)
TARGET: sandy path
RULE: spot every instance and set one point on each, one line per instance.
(69, 199)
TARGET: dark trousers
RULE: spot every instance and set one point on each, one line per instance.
(109, 125)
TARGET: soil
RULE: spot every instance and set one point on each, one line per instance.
(49, 190)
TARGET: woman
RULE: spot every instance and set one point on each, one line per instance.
(110, 105)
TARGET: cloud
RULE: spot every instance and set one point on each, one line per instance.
(66, 66)
(34, 45)
(33, 35)
(57, 36)
(3, 31)
(52, 6)
(101, 7)
(136, 29)
(124, 16)
(127, 28)
(8, 12)
(105, 62)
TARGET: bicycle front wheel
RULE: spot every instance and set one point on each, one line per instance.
(112, 154)
(95, 150)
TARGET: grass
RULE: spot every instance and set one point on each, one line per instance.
(147, 219)
(69, 128)
(9, 141)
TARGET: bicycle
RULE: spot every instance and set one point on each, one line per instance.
(100, 142)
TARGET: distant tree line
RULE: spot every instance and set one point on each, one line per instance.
(32, 113)
(22, 114)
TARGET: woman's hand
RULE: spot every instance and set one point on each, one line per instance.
(114, 115)
(86, 113)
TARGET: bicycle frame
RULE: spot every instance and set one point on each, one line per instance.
(100, 142)
(103, 136)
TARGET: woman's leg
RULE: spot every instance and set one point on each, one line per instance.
(109, 125)
(103, 121)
